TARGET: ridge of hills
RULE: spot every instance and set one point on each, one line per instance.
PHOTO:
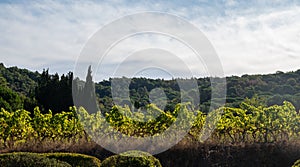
(51, 91)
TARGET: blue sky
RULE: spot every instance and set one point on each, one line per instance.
(249, 36)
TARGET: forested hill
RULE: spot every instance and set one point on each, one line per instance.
(17, 88)
(269, 89)
(19, 80)
(21, 88)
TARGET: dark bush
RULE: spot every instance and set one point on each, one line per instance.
(132, 159)
(75, 159)
(29, 160)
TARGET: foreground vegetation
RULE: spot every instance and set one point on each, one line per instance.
(182, 155)
(26, 159)
(264, 130)
(247, 124)
(131, 158)
(29, 159)
(48, 159)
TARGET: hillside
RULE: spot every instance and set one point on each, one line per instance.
(51, 91)
(17, 88)
(19, 80)
(270, 89)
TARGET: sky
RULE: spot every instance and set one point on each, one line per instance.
(249, 37)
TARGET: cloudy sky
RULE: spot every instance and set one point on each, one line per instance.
(249, 37)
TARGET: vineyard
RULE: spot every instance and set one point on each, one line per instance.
(247, 124)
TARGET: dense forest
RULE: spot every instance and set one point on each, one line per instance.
(21, 88)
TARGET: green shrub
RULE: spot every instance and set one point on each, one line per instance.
(75, 159)
(29, 160)
(132, 159)
(297, 163)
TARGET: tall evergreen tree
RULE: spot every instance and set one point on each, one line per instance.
(84, 94)
(54, 93)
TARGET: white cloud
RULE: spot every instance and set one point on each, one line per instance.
(261, 43)
(230, 2)
(128, 52)
(247, 39)
(38, 35)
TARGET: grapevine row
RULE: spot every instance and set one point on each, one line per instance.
(248, 123)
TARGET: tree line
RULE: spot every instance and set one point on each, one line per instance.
(21, 88)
